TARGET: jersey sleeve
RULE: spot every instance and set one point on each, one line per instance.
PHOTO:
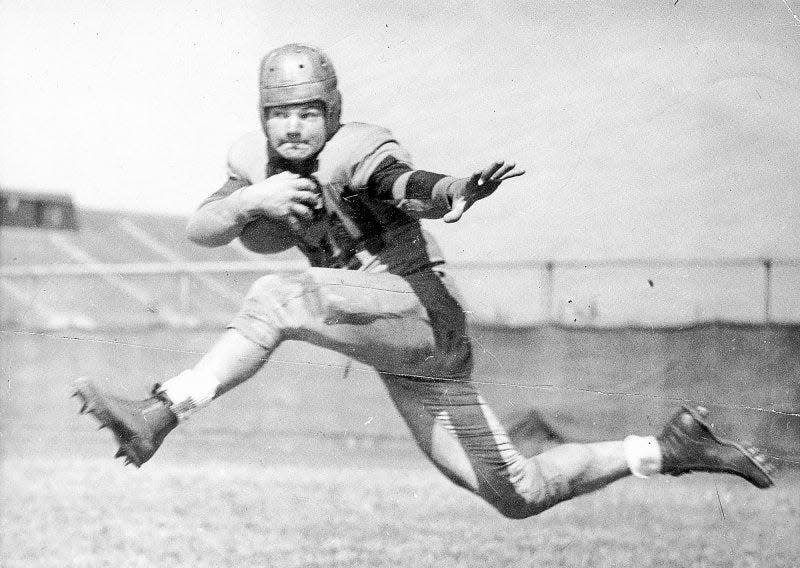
(220, 217)
(381, 169)
(227, 189)
(389, 150)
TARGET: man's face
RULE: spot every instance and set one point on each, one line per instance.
(297, 132)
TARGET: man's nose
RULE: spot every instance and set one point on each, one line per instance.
(293, 124)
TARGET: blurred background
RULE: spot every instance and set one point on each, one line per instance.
(648, 258)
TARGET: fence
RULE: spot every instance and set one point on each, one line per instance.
(633, 291)
(580, 293)
(631, 377)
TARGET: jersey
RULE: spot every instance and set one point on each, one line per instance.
(361, 225)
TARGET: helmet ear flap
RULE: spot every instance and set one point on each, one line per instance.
(333, 113)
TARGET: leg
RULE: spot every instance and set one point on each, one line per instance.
(462, 437)
(458, 431)
(376, 318)
(232, 360)
(413, 331)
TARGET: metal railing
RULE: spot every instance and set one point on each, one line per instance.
(592, 292)
(550, 269)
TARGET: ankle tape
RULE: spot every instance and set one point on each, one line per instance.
(188, 392)
(643, 455)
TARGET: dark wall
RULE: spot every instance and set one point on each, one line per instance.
(545, 382)
(598, 384)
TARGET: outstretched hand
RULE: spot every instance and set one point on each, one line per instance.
(480, 185)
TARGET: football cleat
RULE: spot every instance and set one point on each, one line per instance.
(138, 425)
(688, 444)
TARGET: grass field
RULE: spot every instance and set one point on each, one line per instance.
(241, 486)
(309, 503)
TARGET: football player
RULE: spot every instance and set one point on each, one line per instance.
(349, 197)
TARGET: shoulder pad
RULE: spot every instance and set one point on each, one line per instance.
(361, 134)
(352, 144)
(355, 140)
(247, 158)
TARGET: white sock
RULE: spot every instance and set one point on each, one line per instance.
(189, 392)
(643, 455)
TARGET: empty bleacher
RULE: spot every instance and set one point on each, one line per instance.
(119, 269)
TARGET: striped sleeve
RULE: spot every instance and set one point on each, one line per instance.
(419, 193)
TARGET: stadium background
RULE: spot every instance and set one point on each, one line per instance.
(126, 301)
(648, 259)
(99, 300)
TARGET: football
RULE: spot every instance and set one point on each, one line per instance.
(266, 235)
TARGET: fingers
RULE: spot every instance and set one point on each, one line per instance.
(308, 197)
(301, 211)
(487, 173)
(303, 184)
(506, 171)
(282, 182)
(497, 172)
(512, 174)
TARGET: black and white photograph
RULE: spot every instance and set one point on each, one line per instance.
(400, 284)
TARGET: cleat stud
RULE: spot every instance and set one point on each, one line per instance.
(120, 453)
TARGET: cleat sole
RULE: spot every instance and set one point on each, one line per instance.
(137, 426)
(93, 404)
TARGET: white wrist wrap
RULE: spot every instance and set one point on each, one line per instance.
(189, 392)
(643, 455)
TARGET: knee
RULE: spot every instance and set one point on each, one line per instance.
(453, 365)
(514, 507)
(261, 296)
(277, 291)
(508, 499)
(508, 503)
(268, 284)
(528, 490)
(275, 304)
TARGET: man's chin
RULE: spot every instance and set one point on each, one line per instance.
(295, 154)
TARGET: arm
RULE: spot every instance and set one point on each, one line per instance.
(430, 195)
(237, 209)
(220, 218)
